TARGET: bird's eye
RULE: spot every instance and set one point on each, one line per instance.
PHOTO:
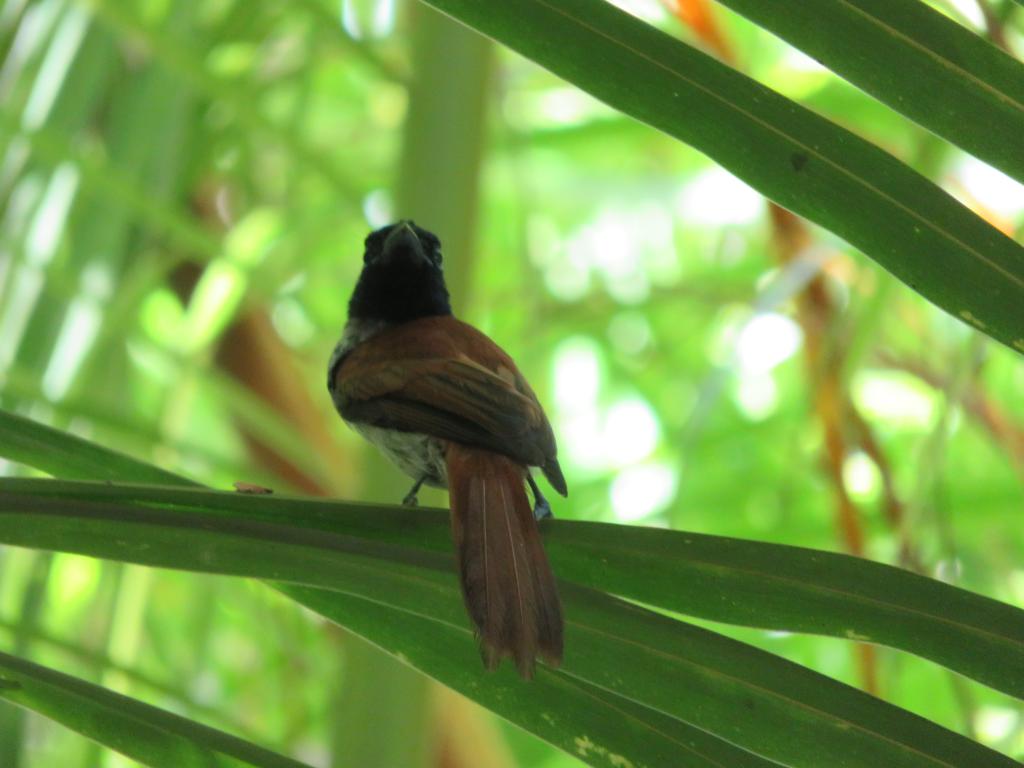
(373, 243)
(432, 246)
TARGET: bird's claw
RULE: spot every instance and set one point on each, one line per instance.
(541, 508)
(542, 511)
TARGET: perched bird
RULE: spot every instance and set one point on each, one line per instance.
(450, 408)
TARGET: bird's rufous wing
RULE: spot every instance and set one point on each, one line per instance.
(447, 380)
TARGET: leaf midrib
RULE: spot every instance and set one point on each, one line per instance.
(942, 60)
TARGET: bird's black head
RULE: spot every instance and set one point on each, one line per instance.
(402, 278)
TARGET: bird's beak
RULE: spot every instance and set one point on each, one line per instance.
(403, 244)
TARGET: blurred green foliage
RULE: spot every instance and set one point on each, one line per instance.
(184, 189)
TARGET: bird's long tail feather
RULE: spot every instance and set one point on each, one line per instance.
(507, 583)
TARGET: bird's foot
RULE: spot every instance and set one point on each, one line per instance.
(411, 499)
(542, 510)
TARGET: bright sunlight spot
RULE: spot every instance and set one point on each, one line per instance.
(220, 289)
(717, 198)
(756, 346)
(27, 283)
(378, 208)
(796, 59)
(213, 303)
(367, 18)
(797, 75)
(767, 340)
(641, 491)
(48, 223)
(54, 70)
(568, 278)
(606, 245)
(577, 374)
(992, 188)
(861, 476)
(553, 107)
(995, 723)
(650, 11)
(630, 432)
(74, 578)
(756, 394)
(894, 397)
(577, 379)
(621, 245)
(76, 336)
(969, 10)
(626, 433)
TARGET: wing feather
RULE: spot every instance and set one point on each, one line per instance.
(435, 388)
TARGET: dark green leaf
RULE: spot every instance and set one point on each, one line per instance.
(64, 455)
(733, 691)
(147, 734)
(917, 61)
(595, 725)
(740, 582)
(794, 157)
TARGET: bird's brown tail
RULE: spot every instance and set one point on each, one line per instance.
(507, 584)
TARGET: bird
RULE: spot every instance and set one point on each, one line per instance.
(451, 409)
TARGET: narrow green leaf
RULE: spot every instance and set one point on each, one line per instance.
(696, 677)
(150, 735)
(555, 710)
(769, 586)
(799, 590)
(647, 736)
(730, 580)
(919, 62)
(793, 156)
(736, 692)
(63, 455)
(174, 692)
(598, 727)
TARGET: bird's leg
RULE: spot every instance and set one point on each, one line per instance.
(541, 508)
(410, 499)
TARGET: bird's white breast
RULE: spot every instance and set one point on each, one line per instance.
(417, 455)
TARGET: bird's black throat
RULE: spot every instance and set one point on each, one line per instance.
(402, 279)
(399, 293)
